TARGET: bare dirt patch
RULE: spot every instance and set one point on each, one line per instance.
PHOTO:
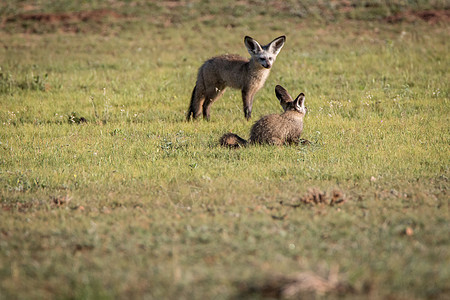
(66, 21)
(83, 16)
(429, 16)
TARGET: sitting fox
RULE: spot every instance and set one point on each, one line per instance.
(236, 72)
(275, 129)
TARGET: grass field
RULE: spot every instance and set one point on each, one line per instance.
(107, 192)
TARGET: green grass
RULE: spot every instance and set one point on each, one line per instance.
(138, 203)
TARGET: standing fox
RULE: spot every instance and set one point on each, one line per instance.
(275, 129)
(236, 72)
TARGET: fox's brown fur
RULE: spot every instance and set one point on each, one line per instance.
(285, 128)
(234, 71)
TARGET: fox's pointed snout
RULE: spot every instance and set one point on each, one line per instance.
(266, 65)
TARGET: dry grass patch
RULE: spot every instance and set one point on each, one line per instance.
(315, 196)
(300, 285)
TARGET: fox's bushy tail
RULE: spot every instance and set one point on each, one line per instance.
(231, 140)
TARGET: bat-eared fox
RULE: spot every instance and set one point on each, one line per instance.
(285, 128)
(234, 71)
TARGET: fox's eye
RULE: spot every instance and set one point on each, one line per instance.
(270, 58)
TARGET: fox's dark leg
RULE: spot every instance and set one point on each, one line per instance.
(198, 96)
(197, 101)
(247, 99)
(191, 106)
(212, 95)
(197, 111)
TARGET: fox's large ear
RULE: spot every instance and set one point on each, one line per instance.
(282, 94)
(276, 45)
(299, 102)
(252, 45)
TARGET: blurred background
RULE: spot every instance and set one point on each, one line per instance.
(106, 16)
